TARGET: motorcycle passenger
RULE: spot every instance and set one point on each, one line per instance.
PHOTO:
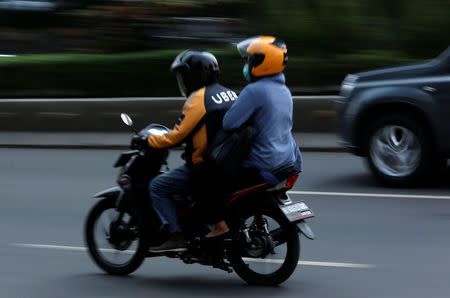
(206, 103)
(266, 105)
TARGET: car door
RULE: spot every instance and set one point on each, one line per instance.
(440, 89)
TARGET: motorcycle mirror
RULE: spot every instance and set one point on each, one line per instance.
(127, 120)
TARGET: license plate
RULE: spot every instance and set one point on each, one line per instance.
(296, 211)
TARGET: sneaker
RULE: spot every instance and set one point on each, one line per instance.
(175, 244)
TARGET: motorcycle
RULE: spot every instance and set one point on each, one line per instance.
(264, 246)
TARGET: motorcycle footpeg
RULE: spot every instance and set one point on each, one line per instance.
(223, 266)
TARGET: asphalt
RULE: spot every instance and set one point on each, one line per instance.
(399, 241)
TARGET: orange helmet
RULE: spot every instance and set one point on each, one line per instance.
(265, 55)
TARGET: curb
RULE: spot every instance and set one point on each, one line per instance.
(120, 147)
(308, 142)
(315, 114)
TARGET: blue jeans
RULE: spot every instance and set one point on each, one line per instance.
(162, 188)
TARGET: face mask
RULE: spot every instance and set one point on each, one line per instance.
(246, 73)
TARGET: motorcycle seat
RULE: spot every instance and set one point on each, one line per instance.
(279, 174)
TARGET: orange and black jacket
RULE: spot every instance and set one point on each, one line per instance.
(201, 118)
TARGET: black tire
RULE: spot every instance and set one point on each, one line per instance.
(420, 169)
(287, 268)
(111, 268)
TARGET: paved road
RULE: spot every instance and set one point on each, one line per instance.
(387, 243)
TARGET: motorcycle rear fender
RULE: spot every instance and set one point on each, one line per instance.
(302, 226)
(113, 192)
(305, 229)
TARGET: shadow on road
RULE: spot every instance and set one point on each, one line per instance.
(170, 286)
(358, 180)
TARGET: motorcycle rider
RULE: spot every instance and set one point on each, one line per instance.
(266, 105)
(206, 103)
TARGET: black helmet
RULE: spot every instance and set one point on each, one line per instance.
(195, 69)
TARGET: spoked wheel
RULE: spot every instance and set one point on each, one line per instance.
(114, 241)
(272, 254)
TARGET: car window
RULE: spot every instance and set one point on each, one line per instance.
(445, 55)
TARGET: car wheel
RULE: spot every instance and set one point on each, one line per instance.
(399, 150)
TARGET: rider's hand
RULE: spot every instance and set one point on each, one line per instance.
(139, 141)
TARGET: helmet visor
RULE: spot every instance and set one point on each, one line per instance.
(178, 62)
(243, 46)
(181, 84)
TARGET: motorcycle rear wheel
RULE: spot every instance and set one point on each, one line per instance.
(98, 253)
(288, 263)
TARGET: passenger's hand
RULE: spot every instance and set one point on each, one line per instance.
(139, 141)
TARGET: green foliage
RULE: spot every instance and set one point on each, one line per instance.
(147, 73)
(326, 40)
(328, 27)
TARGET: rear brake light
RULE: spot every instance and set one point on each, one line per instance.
(291, 181)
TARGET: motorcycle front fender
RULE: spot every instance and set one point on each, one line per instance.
(113, 192)
(305, 229)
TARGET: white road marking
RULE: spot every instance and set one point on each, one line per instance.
(361, 194)
(310, 263)
(64, 247)
(276, 261)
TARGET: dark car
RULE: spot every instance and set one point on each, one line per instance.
(41, 5)
(399, 118)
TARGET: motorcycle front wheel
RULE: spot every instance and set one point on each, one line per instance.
(269, 268)
(114, 240)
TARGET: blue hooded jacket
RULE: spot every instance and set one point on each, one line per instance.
(267, 106)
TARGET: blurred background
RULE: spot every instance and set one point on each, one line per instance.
(86, 48)
(64, 62)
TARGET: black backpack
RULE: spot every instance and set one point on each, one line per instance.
(229, 149)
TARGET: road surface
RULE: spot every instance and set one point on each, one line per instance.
(371, 241)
